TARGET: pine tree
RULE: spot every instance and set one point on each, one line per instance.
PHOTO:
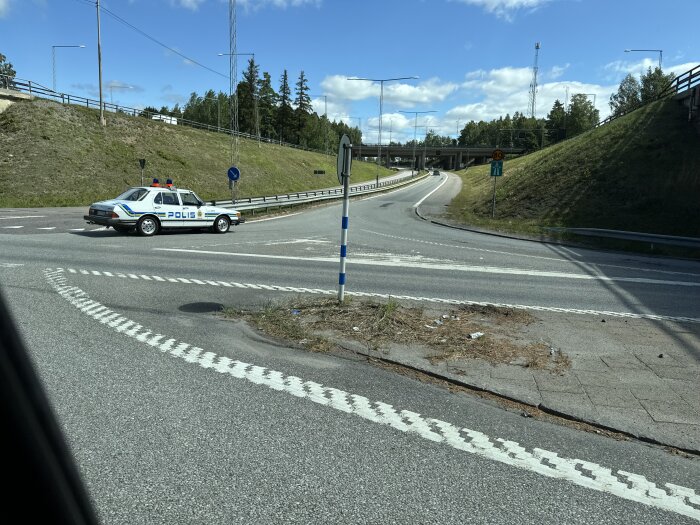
(285, 114)
(267, 105)
(247, 94)
(556, 122)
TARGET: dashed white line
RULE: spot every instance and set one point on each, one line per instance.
(319, 291)
(633, 487)
(47, 228)
(22, 217)
(397, 262)
(12, 227)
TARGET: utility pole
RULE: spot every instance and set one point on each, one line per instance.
(99, 64)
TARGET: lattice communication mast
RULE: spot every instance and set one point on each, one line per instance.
(533, 84)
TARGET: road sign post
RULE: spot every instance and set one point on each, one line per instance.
(233, 175)
(344, 165)
(142, 163)
(496, 171)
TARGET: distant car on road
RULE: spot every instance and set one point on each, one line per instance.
(436, 172)
(150, 209)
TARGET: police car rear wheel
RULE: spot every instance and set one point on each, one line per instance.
(147, 226)
(221, 224)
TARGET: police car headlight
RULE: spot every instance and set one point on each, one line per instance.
(238, 214)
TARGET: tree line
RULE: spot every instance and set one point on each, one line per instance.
(277, 115)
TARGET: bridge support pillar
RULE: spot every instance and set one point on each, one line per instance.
(388, 160)
(459, 161)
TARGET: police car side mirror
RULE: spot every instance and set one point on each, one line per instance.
(199, 204)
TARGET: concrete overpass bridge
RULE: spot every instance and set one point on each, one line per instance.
(448, 157)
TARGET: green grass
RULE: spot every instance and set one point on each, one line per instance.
(59, 155)
(640, 173)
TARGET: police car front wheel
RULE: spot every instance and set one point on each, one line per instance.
(221, 224)
(147, 226)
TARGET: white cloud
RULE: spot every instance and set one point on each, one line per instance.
(254, 5)
(189, 4)
(505, 8)
(556, 72)
(4, 8)
(506, 90)
(620, 68)
(397, 93)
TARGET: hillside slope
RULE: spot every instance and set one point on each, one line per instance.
(59, 155)
(640, 173)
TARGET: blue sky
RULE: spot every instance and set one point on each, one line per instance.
(473, 57)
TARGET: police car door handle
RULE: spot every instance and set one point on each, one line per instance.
(157, 207)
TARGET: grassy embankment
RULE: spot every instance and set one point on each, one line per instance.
(56, 155)
(639, 173)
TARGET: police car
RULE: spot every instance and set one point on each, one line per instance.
(150, 209)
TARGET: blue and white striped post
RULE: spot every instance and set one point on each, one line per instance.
(344, 173)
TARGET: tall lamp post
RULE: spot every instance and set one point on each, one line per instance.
(113, 86)
(53, 62)
(381, 108)
(659, 51)
(415, 129)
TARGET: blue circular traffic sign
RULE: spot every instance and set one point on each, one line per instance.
(234, 173)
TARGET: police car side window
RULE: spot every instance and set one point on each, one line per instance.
(170, 198)
(158, 199)
(189, 199)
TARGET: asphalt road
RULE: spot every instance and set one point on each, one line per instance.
(168, 428)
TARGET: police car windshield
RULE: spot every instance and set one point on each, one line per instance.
(133, 195)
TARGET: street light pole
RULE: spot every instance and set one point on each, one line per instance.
(99, 64)
(53, 62)
(659, 51)
(415, 129)
(381, 109)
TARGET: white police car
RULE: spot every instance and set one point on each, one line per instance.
(149, 209)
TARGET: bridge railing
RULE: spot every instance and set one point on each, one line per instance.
(38, 90)
(683, 82)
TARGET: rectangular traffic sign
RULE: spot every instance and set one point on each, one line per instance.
(496, 168)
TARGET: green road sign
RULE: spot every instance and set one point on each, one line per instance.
(496, 168)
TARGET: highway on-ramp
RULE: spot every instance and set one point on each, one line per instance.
(176, 416)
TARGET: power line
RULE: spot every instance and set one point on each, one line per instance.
(152, 39)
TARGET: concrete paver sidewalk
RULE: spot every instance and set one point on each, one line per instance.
(636, 376)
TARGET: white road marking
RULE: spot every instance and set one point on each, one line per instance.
(22, 217)
(397, 262)
(12, 227)
(274, 218)
(633, 487)
(429, 194)
(319, 291)
(557, 259)
(77, 229)
(10, 265)
(47, 228)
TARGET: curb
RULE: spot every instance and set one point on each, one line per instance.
(542, 407)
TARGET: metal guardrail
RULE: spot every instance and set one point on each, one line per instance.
(304, 197)
(683, 82)
(36, 89)
(650, 238)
